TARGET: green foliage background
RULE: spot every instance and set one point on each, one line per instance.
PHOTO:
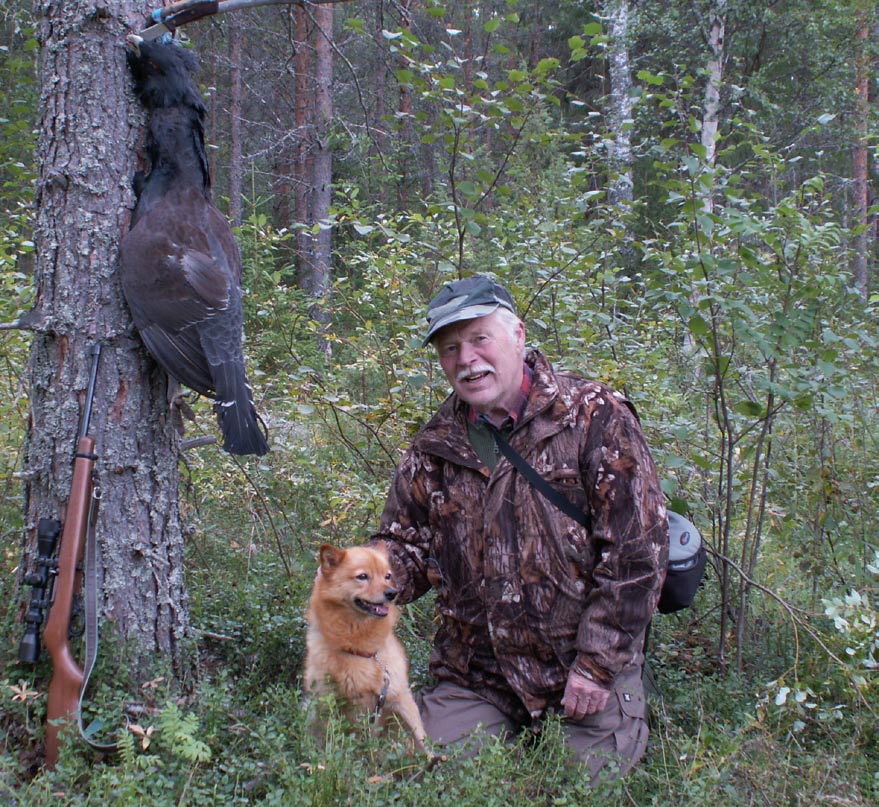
(733, 329)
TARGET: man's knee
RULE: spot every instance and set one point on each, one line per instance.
(611, 742)
(453, 715)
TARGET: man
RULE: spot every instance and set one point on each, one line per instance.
(537, 614)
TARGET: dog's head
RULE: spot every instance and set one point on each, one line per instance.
(360, 577)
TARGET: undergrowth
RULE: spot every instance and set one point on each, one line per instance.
(241, 737)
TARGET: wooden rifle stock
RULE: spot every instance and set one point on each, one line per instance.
(65, 687)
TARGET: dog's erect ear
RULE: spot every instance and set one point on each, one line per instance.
(330, 557)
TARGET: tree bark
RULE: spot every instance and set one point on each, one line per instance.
(861, 244)
(89, 128)
(716, 36)
(236, 167)
(620, 110)
(322, 233)
(302, 114)
(404, 110)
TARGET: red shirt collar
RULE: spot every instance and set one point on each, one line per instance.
(516, 413)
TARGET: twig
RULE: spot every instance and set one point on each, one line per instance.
(197, 442)
(16, 325)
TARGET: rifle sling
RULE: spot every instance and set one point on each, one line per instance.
(90, 595)
(543, 487)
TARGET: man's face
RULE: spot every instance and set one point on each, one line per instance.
(482, 359)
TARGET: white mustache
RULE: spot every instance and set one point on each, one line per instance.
(480, 368)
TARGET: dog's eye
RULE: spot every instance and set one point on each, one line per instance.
(363, 576)
(388, 576)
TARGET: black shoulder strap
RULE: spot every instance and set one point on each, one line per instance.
(558, 499)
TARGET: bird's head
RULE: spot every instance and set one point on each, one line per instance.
(163, 74)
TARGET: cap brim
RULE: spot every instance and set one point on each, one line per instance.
(470, 312)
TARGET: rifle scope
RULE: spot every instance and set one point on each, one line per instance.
(41, 581)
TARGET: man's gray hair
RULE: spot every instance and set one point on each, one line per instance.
(511, 322)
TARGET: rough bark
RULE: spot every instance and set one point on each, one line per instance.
(302, 162)
(89, 128)
(404, 110)
(322, 234)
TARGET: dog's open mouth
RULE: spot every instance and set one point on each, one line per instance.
(376, 609)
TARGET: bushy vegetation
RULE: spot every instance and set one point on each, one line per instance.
(791, 723)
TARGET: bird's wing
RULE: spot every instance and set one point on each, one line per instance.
(180, 270)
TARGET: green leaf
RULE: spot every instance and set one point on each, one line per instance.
(749, 408)
(649, 78)
(697, 326)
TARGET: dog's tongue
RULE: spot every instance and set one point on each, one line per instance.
(381, 610)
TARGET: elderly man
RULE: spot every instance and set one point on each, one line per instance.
(537, 613)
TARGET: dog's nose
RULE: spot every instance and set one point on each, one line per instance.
(391, 594)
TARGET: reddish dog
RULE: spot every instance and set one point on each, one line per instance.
(351, 649)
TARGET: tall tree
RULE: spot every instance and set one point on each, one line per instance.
(322, 180)
(620, 102)
(860, 179)
(236, 164)
(714, 31)
(87, 141)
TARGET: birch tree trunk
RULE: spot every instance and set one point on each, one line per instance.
(620, 109)
(716, 39)
(90, 124)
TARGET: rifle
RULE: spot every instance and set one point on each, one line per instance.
(167, 19)
(65, 688)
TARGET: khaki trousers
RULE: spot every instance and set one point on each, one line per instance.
(608, 743)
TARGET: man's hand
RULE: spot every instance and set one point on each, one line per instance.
(583, 697)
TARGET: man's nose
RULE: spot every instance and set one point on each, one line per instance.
(466, 353)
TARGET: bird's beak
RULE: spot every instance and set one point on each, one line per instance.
(133, 43)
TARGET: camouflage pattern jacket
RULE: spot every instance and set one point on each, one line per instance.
(524, 592)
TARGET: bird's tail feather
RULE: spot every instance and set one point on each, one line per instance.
(243, 429)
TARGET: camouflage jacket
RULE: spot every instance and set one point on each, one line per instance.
(524, 592)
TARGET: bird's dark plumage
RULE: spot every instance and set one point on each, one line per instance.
(180, 265)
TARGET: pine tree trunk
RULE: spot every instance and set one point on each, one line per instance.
(89, 129)
(302, 162)
(322, 256)
(861, 243)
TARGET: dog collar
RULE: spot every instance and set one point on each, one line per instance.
(360, 653)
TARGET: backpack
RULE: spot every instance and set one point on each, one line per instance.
(686, 565)
(686, 555)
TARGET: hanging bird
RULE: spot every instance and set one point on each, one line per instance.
(180, 264)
